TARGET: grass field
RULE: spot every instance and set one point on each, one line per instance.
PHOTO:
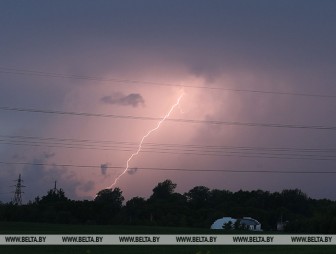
(32, 228)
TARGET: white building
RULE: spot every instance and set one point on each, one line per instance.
(219, 224)
(248, 222)
(251, 224)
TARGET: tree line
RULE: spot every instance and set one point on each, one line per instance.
(199, 207)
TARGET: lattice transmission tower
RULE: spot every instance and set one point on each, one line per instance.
(17, 199)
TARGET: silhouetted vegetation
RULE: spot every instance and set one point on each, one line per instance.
(199, 207)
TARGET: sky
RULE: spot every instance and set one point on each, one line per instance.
(257, 79)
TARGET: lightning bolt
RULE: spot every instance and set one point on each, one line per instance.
(144, 137)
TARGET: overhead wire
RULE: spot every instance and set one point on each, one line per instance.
(173, 169)
(185, 149)
(99, 142)
(192, 121)
(19, 71)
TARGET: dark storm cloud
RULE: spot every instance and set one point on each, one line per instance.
(132, 171)
(132, 99)
(103, 169)
(210, 38)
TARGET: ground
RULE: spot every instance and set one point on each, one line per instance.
(34, 228)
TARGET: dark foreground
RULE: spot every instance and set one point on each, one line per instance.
(32, 228)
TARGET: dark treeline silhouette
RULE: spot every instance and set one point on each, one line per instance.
(199, 207)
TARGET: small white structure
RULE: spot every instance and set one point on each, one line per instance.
(248, 222)
(219, 224)
(251, 224)
(280, 226)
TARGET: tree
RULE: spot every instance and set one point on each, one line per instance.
(111, 198)
(296, 201)
(52, 208)
(108, 204)
(237, 225)
(198, 196)
(228, 226)
(136, 210)
(53, 196)
(109, 195)
(163, 190)
(166, 207)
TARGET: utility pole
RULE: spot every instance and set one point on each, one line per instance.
(55, 190)
(17, 200)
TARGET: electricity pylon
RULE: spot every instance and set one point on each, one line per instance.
(17, 200)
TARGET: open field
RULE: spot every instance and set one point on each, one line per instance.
(32, 228)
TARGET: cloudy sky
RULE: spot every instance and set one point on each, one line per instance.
(258, 78)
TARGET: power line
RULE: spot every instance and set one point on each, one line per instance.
(230, 151)
(227, 154)
(16, 71)
(175, 169)
(99, 142)
(193, 121)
